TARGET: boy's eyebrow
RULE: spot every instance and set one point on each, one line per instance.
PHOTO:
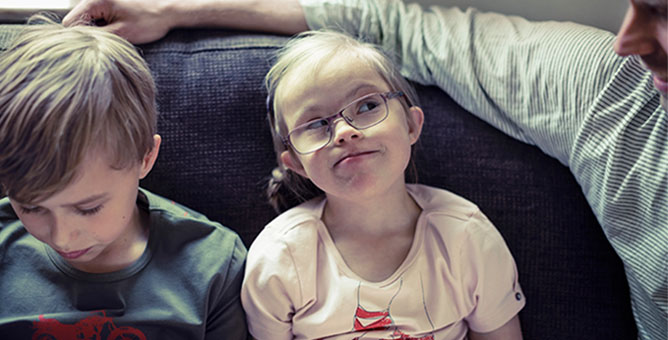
(81, 202)
(87, 200)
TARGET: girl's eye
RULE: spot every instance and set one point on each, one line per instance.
(316, 124)
(31, 210)
(88, 212)
(368, 106)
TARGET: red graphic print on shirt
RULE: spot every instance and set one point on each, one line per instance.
(381, 319)
(94, 327)
(368, 321)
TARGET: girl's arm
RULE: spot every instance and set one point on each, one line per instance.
(510, 331)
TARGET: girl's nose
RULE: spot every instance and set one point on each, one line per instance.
(344, 132)
(636, 36)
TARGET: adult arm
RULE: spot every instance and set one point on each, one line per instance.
(142, 21)
(535, 81)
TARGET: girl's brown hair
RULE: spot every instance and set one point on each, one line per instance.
(305, 53)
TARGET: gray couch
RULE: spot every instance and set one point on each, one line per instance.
(217, 153)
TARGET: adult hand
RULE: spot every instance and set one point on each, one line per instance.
(138, 21)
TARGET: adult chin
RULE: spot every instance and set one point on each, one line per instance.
(661, 84)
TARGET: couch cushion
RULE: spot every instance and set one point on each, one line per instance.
(217, 153)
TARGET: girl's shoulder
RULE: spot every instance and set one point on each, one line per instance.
(295, 226)
(305, 213)
(452, 218)
(437, 201)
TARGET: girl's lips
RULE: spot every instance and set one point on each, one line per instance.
(352, 157)
(74, 254)
(661, 84)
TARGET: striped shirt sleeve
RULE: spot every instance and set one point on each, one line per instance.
(556, 85)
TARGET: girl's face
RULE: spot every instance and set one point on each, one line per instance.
(356, 164)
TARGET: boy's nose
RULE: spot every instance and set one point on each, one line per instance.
(636, 36)
(62, 233)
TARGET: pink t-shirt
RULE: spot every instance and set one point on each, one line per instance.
(458, 274)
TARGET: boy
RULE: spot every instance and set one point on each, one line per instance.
(84, 252)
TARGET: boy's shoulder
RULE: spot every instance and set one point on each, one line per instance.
(6, 211)
(172, 218)
(8, 218)
(181, 235)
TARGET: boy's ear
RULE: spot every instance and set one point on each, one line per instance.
(415, 122)
(150, 157)
(293, 164)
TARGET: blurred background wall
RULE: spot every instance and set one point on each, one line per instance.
(605, 14)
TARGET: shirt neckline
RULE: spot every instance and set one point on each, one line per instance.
(413, 253)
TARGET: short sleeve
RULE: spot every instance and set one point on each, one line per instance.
(270, 289)
(226, 318)
(491, 278)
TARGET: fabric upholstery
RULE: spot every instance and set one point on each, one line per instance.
(217, 153)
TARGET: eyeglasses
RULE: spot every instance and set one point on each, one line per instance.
(362, 113)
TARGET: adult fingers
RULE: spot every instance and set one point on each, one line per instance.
(88, 11)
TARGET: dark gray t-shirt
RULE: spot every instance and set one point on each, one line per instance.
(184, 286)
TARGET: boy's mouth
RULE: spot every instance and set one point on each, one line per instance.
(74, 254)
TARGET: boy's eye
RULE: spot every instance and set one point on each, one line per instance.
(31, 210)
(88, 212)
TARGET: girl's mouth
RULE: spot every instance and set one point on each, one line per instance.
(353, 157)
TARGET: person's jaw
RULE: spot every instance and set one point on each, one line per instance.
(657, 64)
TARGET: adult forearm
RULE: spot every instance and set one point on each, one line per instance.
(278, 16)
(142, 21)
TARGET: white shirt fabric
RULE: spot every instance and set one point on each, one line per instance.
(458, 274)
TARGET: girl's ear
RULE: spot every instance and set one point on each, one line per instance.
(290, 161)
(415, 122)
(150, 157)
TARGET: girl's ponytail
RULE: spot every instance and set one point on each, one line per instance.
(274, 185)
(286, 189)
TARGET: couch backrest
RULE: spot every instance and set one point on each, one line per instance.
(217, 153)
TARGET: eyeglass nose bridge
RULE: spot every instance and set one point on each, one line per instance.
(341, 115)
(334, 119)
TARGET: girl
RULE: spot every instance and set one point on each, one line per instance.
(372, 257)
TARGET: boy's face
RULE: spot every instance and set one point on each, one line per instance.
(94, 223)
(356, 164)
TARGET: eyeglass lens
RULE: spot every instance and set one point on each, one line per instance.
(360, 114)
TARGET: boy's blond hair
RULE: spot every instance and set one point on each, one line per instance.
(66, 91)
